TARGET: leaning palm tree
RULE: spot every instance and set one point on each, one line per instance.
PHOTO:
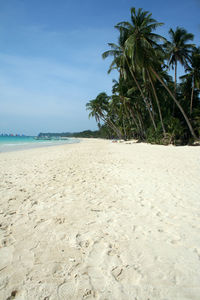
(99, 108)
(179, 50)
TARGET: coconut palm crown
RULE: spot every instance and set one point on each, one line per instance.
(179, 50)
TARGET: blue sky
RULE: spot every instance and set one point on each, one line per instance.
(50, 57)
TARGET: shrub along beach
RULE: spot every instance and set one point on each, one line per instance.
(147, 103)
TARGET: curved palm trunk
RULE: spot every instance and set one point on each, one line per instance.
(126, 107)
(192, 95)
(137, 124)
(175, 79)
(124, 129)
(131, 113)
(112, 126)
(150, 103)
(143, 131)
(142, 94)
(157, 102)
(175, 84)
(140, 121)
(177, 103)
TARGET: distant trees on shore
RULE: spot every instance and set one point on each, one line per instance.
(83, 134)
(146, 102)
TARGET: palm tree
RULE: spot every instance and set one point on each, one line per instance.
(144, 51)
(140, 44)
(99, 110)
(131, 111)
(140, 36)
(176, 101)
(98, 107)
(193, 75)
(121, 63)
(157, 102)
(139, 104)
(178, 50)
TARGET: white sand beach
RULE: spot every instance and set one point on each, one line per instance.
(100, 220)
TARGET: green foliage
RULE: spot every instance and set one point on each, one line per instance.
(154, 137)
(147, 103)
(101, 133)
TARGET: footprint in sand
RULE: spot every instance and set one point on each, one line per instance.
(117, 272)
(60, 220)
(81, 242)
(5, 242)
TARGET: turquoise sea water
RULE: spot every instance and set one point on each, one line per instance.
(13, 143)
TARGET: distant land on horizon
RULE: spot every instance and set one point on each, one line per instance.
(86, 133)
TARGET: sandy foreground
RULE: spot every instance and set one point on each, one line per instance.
(100, 220)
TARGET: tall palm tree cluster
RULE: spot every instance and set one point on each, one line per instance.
(146, 102)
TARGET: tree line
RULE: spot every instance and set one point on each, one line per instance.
(146, 102)
(82, 134)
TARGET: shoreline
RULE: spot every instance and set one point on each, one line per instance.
(100, 220)
(33, 145)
